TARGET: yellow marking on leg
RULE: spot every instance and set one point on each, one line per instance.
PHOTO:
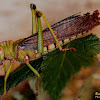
(79, 35)
(73, 38)
(66, 41)
(51, 47)
(45, 51)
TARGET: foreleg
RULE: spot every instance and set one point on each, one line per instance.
(5, 79)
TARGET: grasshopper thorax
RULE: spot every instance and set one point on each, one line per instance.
(6, 50)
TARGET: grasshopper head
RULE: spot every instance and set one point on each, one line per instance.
(1, 55)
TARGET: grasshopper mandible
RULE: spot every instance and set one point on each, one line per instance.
(42, 42)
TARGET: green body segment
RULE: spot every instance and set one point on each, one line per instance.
(40, 36)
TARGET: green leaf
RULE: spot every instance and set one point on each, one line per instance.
(89, 44)
(58, 67)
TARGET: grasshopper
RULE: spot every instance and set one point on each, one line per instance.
(42, 42)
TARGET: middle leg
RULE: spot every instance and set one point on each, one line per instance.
(34, 71)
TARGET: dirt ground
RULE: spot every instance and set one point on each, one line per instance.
(15, 18)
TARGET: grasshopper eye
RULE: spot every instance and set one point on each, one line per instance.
(1, 53)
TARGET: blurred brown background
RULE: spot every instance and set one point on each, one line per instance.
(15, 17)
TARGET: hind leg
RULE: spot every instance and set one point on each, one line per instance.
(55, 37)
